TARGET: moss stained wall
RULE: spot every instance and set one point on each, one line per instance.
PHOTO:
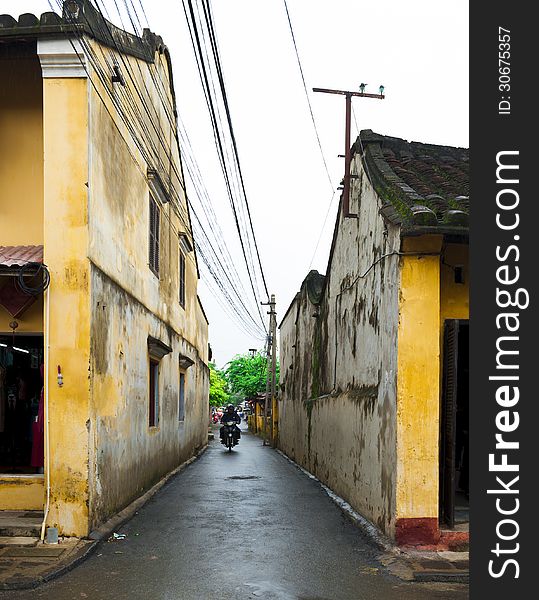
(338, 364)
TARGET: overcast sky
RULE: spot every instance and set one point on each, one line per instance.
(417, 49)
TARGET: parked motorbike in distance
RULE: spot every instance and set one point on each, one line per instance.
(229, 437)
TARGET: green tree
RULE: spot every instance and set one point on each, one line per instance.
(246, 375)
(219, 395)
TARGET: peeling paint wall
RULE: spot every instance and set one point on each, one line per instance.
(129, 303)
(339, 360)
(128, 456)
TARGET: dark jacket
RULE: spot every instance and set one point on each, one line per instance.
(230, 417)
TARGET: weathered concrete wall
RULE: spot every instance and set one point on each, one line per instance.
(128, 455)
(129, 303)
(339, 360)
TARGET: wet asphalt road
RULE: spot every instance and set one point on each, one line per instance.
(237, 526)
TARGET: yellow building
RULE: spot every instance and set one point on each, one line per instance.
(374, 355)
(91, 186)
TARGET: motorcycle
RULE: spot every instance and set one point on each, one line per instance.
(229, 435)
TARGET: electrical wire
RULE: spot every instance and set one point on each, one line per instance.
(197, 34)
(307, 95)
(39, 273)
(125, 118)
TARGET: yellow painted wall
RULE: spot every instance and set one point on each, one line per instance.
(21, 152)
(65, 122)
(418, 383)
(428, 296)
(454, 297)
(21, 492)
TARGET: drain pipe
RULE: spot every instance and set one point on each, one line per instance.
(46, 415)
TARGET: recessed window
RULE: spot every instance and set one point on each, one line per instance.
(182, 279)
(154, 236)
(181, 398)
(154, 394)
(459, 274)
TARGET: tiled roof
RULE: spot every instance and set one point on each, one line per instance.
(423, 186)
(17, 256)
(79, 16)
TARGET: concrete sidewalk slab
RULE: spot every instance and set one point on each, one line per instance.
(428, 566)
(27, 567)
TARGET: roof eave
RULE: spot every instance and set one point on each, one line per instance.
(446, 230)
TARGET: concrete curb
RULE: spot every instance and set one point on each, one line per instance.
(101, 533)
(72, 564)
(442, 577)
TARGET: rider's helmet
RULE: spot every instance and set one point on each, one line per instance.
(230, 408)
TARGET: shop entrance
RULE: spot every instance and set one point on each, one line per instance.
(454, 429)
(21, 404)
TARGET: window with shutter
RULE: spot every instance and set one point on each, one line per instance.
(153, 416)
(181, 398)
(448, 421)
(154, 237)
(182, 279)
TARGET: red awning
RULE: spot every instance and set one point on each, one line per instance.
(17, 256)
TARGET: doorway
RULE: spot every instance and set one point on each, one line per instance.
(21, 404)
(454, 427)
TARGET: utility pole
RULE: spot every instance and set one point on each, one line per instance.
(271, 370)
(347, 153)
(273, 318)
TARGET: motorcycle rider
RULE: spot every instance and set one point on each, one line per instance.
(230, 414)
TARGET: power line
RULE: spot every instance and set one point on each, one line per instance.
(307, 96)
(209, 20)
(125, 120)
(322, 229)
(205, 72)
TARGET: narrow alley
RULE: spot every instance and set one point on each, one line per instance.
(240, 525)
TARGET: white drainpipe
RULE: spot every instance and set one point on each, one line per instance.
(46, 414)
